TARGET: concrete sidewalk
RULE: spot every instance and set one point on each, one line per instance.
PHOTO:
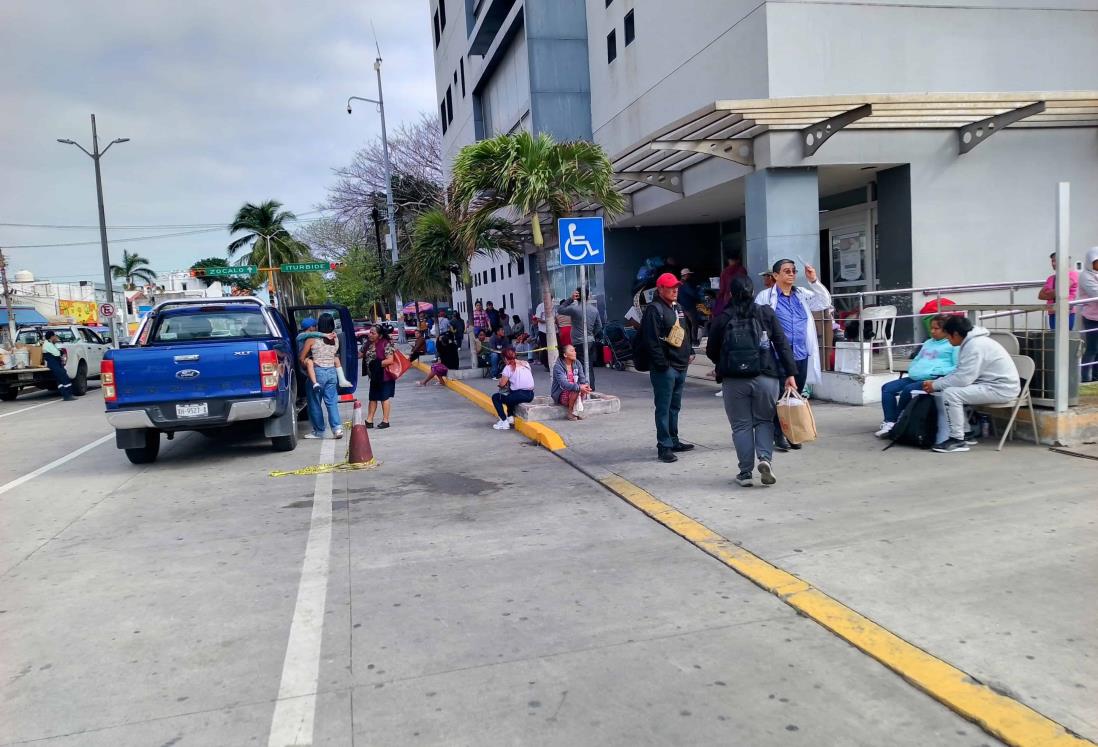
(981, 559)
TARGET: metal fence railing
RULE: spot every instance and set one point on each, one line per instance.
(879, 332)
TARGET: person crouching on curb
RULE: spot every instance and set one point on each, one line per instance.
(666, 335)
(51, 355)
(569, 384)
(752, 355)
(516, 386)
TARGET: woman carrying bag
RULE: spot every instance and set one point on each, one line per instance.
(752, 355)
(378, 354)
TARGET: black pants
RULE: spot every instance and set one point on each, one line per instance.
(543, 356)
(800, 377)
(511, 401)
(64, 383)
(582, 353)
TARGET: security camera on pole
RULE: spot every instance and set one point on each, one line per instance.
(389, 204)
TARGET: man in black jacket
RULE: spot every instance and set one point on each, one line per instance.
(666, 336)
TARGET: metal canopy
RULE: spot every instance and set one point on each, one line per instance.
(725, 129)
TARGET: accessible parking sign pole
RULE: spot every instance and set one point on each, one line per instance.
(582, 243)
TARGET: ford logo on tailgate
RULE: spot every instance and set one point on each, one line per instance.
(187, 373)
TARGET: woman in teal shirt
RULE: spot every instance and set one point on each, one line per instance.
(936, 358)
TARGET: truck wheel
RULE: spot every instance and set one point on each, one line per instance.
(146, 454)
(284, 443)
(80, 383)
(8, 394)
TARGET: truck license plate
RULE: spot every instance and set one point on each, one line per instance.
(26, 377)
(199, 410)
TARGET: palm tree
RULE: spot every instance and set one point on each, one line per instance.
(264, 229)
(531, 174)
(134, 267)
(445, 240)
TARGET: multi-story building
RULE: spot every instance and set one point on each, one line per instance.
(863, 137)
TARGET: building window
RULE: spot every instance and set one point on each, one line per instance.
(509, 270)
(611, 46)
(608, 3)
(438, 31)
(493, 274)
(442, 115)
(511, 307)
(461, 66)
(455, 77)
(449, 106)
(521, 266)
(442, 14)
(630, 29)
(501, 272)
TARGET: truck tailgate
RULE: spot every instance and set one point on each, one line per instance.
(166, 373)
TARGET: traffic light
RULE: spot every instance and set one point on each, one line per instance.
(198, 272)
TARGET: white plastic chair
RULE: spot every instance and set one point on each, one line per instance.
(1026, 367)
(883, 319)
(1008, 341)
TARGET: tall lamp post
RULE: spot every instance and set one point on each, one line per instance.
(95, 155)
(389, 204)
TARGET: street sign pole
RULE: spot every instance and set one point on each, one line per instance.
(586, 342)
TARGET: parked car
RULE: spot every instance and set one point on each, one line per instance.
(208, 364)
(82, 349)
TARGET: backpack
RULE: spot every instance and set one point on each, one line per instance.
(741, 354)
(917, 424)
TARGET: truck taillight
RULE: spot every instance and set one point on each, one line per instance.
(106, 379)
(268, 370)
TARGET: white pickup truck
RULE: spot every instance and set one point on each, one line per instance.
(83, 349)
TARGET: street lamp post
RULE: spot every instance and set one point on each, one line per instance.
(95, 155)
(389, 203)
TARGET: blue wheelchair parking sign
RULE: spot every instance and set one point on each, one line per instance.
(581, 241)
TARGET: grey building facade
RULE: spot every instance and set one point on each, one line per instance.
(890, 200)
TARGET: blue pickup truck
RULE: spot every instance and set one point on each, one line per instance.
(206, 364)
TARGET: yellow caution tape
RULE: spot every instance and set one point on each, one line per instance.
(318, 469)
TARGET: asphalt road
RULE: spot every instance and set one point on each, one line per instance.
(471, 590)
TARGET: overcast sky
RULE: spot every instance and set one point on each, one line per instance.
(224, 102)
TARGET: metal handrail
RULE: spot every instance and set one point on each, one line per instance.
(930, 291)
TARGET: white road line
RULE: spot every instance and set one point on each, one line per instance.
(292, 723)
(55, 463)
(32, 407)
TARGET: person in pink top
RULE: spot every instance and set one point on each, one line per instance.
(516, 386)
(1048, 293)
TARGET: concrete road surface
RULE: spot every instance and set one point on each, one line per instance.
(472, 590)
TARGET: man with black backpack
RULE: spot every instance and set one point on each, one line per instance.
(663, 349)
(751, 353)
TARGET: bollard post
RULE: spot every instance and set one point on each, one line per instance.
(1063, 312)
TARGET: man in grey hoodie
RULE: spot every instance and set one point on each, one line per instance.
(985, 375)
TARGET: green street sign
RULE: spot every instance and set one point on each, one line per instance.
(305, 267)
(217, 272)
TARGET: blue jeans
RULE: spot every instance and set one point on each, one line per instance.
(667, 389)
(1052, 320)
(326, 398)
(495, 364)
(901, 388)
(507, 404)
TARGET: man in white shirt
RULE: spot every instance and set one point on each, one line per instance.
(538, 328)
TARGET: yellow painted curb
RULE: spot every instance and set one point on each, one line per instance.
(536, 432)
(1007, 719)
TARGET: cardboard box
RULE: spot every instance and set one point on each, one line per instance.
(34, 354)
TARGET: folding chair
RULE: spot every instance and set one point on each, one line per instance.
(1026, 367)
(1008, 341)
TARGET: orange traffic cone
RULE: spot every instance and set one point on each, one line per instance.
(360, 451)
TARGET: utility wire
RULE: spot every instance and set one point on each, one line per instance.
(165, 226)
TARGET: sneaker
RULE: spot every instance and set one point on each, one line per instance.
(781, 443)
(885, 428)
(664, 454)
(766, 473)
(719, 394)
(369, 424)
(337, 433)
(382, 425)
(681, 447)
(972, 439)
(744, 480)
(501, 425)
(510, 419)
(314, 435)
(950, 445)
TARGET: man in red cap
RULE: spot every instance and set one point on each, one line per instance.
(665, 338)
